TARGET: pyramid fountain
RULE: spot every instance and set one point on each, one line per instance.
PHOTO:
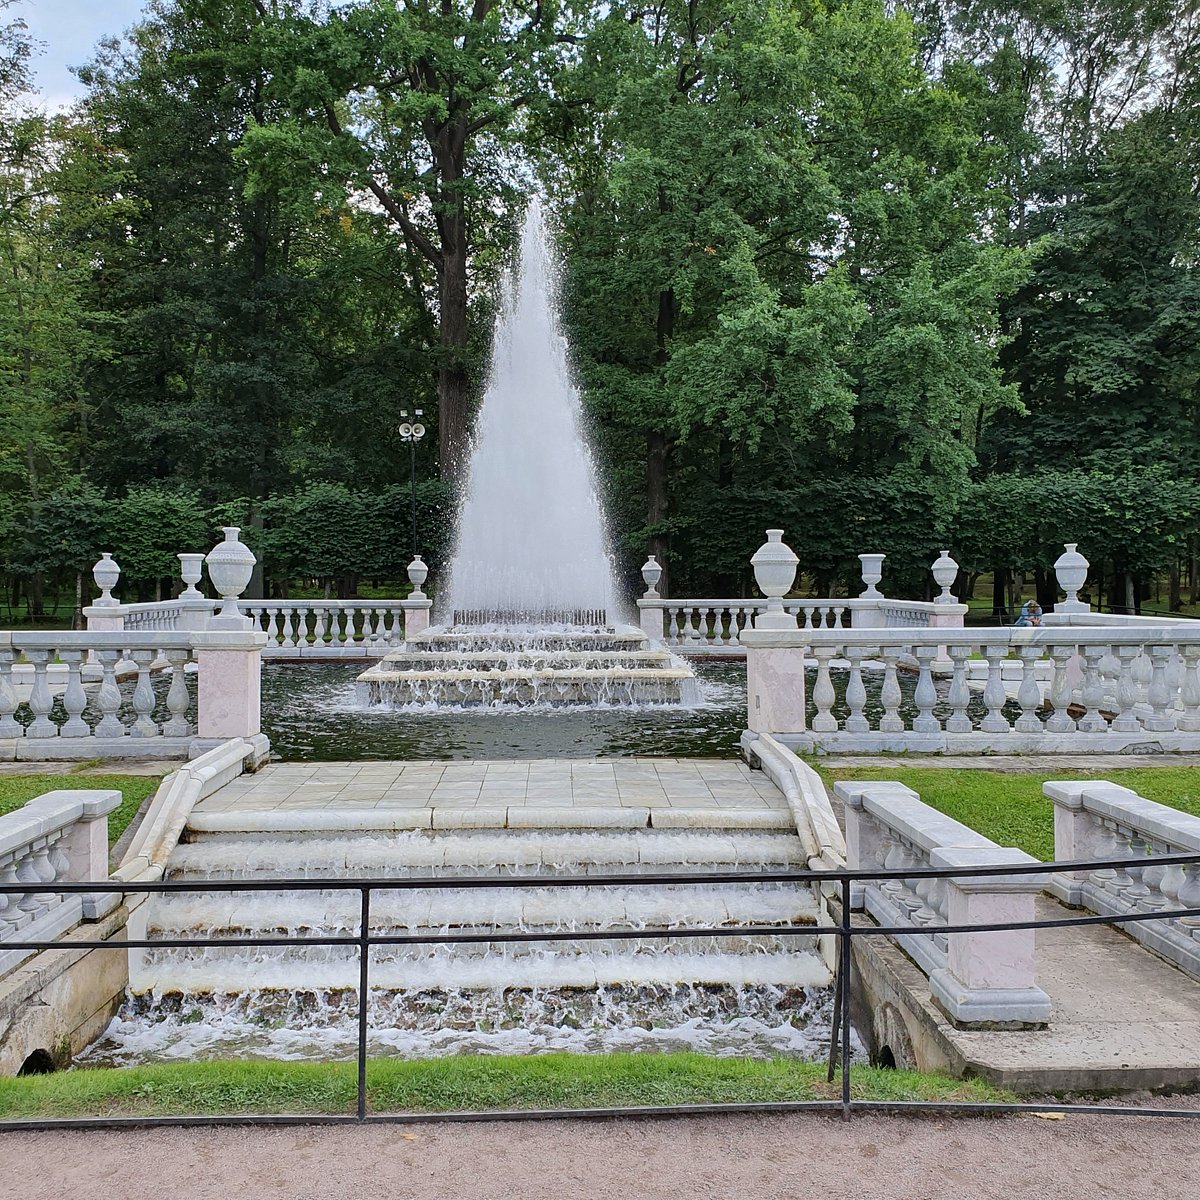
(528, 613)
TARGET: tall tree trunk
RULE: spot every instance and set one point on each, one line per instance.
(658, 453)
(1174, 588)
(1130, 593)
(452, 383)
(999, 604)
(1047, 588)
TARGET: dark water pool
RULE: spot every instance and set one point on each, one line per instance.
(310, 712)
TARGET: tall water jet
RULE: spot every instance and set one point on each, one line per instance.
(532, 545)
(529, 607)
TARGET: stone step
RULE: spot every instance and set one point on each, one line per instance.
(545, 909)
(320, 818)
(376, 854)
(592, 966)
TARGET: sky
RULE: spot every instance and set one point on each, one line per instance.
(68, 31)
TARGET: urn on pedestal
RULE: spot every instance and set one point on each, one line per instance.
(651, 574)
(418, 572)
(106, 573)
(945, 572)
(191, 568)
(230, 565)
(775, 571)
(1071, 569)
(872, 573)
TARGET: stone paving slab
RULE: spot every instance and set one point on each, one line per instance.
(615, 793)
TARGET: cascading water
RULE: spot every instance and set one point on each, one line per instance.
(532, 544)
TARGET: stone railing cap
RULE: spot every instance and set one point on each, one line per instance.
(852, 791)
(94, 802)
(988, 856)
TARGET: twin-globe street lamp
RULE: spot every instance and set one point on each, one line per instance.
(412, 432)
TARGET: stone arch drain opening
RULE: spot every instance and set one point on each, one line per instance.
(887, 1059)
(40, 1062)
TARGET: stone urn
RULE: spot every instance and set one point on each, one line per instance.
(872, 573)
(230, 564)
(106, 573)
(1072, 570)
(775, 566)
(191, 568)
(418, 572)
(945, 572)
(651, 574)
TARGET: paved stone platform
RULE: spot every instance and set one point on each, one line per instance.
(531, 793)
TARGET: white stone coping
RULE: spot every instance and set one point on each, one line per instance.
(1122, 805)
(902, 810)
(805, 793)
(52, 811)
(90, 639)
(988, 856)
(1012, 636)
(168, 813)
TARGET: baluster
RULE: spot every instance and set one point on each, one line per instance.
(1126, 720)
(143, 696)
(856, 692)
(1189, 692)
(40, 700)
(994, 695)
(354, 634)
(10, 727)
(108, 696)
(60, 864)
(1121, 880)
(889, 694)
(673, 630)
(960, 692)
(690, 633)
(1162, 718)
(177, 695)
(1154, 876)
(1092, 693)
(735, 637)
(926, 693)
(1060, 720)
(1143, 673)
(10, 915)
(1189, 897)
(287, 612)
(272, 626)
(1110, 670)
(1029, 694)
(838, 614)
(823, 694)
(807, 609)
(1137, 893)
(74, 698)
(35, 868)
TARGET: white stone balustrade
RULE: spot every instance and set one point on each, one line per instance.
(335, 628)
(984, 978)
(57, 837)
(1061, 688)
(1096, 820)
(716, 626)
(61, 693)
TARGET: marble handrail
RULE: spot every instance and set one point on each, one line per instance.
(986, 978)
(1098, 820)
(60, 836)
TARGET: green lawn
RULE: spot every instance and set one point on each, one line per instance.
(457, 1083)
(1011, 809)
(15, 790)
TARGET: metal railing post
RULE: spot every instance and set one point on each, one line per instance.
(364, 968)
(844, 994)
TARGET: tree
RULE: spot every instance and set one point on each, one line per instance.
(413, 108)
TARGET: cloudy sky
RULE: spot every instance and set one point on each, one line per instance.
(69, 29)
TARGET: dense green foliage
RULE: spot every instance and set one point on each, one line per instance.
(1010, 808)
(892, 277)
(460, 1082)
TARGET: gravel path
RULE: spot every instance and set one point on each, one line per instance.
(800, 1157)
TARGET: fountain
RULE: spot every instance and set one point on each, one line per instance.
(529, 608)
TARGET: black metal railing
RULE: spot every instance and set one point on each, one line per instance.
(835, 884)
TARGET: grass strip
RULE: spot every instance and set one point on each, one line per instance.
(16, 790)
(458, 1083)
(1009, 807)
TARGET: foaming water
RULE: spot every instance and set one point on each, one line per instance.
(757, 1022)
(531, 533)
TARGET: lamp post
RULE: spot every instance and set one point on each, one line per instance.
(412, 432)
